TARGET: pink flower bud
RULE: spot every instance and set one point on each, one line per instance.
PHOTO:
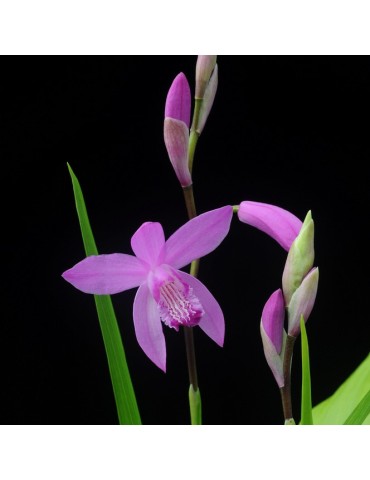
(176, 138)
(203, 71)
(273, 335)
(273, 318)
(178, 101)
(280, 224)
(302, 302)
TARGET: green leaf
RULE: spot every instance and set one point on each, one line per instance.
(195, 403)
(338, 409)
(128, 412)
(360, 413)
(306, 402)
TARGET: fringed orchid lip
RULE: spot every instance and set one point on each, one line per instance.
(166, 294)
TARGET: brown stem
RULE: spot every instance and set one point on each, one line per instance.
(188, 331)
(190, 355)
(286, 396)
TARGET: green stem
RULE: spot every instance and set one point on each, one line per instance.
(195, 403)
(286, 396)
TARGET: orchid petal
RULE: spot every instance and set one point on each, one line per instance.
(107, 274)
(147, 242)
(178, 101)
(212, 322)
(148, 327)
(176, 138)
(197, 237)
(280, 224)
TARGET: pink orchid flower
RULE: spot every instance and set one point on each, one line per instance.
(165, 293)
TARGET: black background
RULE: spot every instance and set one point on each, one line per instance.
(291, 131)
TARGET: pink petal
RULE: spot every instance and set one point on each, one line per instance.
(273, 319)
(147, 242)
(212, 322)
(176, 138)
(280, 224)
(178, 101)
(107, 274)
(197, 237)
(148, 327)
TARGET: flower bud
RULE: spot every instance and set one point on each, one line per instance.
(300, 258)
(273, 334)
(208, 100)
(176, 138)
(203, 71)
(302, 302)
(280, 224)
(178, 101)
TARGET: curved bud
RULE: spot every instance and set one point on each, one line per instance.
(274, 360)
(273, 318)
(203, 71)
(302, 302)
(278, 223)
(178, 101)
(273, 334)
(300, 258)
(176, 138)
(209, 97)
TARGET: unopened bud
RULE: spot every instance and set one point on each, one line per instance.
(300, 258)
(302, 302)
(273, 334)
(209, 97)
(203, 71)
(178, 101)
(176, 138)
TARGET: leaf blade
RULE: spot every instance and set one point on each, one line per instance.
(336, 409)
(306, 401)
(127, 409)
(359, 414)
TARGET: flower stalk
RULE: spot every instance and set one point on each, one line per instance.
(195, 406)
(286, 395)
(194, 134)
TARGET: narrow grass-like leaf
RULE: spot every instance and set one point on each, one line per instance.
(195, 403)
(336, 409)
(128, 412)
(306, 402)
(360, 413)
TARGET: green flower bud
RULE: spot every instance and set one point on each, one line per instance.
(300, 258)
